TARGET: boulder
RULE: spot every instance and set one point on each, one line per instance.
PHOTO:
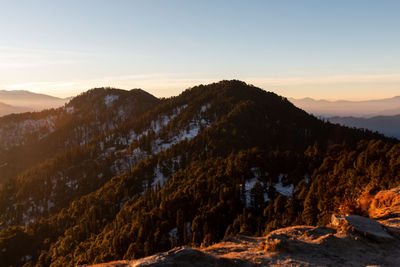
(363, 226)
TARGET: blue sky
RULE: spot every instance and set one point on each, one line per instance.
(322, 49)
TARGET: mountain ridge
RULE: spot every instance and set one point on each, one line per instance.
(217, 160)
(6, 109)
(387, 125)
(26, 101)
(363, 108)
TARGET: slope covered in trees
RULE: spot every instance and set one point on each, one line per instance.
(212, 162)
(29, 138)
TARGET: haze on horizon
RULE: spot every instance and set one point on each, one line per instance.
(319, 49)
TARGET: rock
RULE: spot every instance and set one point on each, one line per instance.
(392, 226)
(185, 256)
(385, 204)
(349, 240)
(363, 226)
(292, 246)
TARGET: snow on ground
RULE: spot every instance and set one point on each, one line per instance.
(158, 177)
(164, 120)
(17, 133)
(247, 187)
(250, 183)
(266, 198)
(26, 258)
(72, 184)
(284, 190)
(69, 110)
(109, 99)
(155, 126)
(159, 124)
(127, 161)
(194, 128)
(50, 204)
(307, 178)
(122, 114)
(173, 234)
(189, 228)
(205, 107)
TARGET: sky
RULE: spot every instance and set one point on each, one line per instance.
(329, 49)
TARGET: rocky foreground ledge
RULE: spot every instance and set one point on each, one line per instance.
(349, 240)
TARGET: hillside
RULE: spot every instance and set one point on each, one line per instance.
(387, 125)
(215, 161)
(30, 138)
(8, 109)
(23, 101)
(368, 108)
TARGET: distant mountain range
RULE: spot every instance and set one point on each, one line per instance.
(369, 108)
(388, 125)
(19, 101)
(380, 115)
(8, 109)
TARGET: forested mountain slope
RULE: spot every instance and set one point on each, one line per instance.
(216, 160)
(29, 138)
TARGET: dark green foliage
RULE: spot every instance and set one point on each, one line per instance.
(249, 134)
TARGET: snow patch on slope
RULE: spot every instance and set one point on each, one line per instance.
(19, 133)
(247, 187)
(185, 134)
(109, 100)
(159, 177)
(284, 190)
(173, 234)
(205, 107)
(69, 110)
(127, 158)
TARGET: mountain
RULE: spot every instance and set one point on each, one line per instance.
(8, 109)
(24, 101)
(215, 161)
(369, 108)
(388, 125)
(29, 138)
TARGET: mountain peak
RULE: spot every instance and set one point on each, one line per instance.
(125, 175)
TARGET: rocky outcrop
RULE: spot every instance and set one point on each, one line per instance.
(327, 246)
(363, 226)
(181, 256)
(291, 246)
(349, 240)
